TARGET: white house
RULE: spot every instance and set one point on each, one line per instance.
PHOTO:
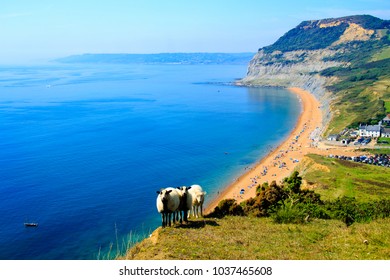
(333, 137)
(370, 130)
(386, 132)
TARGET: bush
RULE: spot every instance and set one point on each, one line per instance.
(227, 207)
(349, 210)
(266, 201)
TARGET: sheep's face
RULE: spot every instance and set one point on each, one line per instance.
(200, 198)
(184, 189)
(164, 194)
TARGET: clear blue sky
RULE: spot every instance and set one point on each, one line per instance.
(43, 29)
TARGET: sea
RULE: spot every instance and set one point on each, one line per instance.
(85, 147)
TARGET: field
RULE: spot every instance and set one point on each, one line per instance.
(333, 178)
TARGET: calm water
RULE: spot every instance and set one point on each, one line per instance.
(83, 149)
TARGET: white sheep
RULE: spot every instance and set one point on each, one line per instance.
(185, 203)
(198, 195)
(168, 201)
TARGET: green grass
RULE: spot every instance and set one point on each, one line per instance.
(346, 178)
(245, 238)
(383, 54)
(382, 142)
(359, 102)
(383, 150)
(387, 106)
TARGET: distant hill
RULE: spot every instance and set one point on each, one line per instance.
(320, 34)
(344, 61)
(161, 58)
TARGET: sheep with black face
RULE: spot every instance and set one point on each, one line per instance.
(168, 201)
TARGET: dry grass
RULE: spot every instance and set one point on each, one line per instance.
(245, 238)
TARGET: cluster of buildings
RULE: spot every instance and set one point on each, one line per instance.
(377, 130)
(382, 129)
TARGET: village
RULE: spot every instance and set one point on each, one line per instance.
(371, 135)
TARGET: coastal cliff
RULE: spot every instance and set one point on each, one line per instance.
(303, 56)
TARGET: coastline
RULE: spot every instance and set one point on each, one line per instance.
(281, 161)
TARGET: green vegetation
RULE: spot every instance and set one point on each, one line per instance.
(288, 203)
(384, 150)
(362, 87)
(309, 35)
(387, 106)
(383, 142)
(383, 54)
(333, 178)
(248, 238)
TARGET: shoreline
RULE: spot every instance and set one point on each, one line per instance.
(282, 160)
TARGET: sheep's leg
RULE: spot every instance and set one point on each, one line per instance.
(201, 209)
(185, 213)
(163, 219)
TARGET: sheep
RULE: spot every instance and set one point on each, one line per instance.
(198, 195)
(185, 203)
(168, 201)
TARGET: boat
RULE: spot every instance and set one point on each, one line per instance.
(30, 224)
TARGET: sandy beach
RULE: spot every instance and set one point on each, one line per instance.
(280, 162)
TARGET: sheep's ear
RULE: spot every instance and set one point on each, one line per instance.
(188, 188)
(158, 192)
(178, 188)
(169, 191)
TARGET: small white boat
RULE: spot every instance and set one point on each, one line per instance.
(30, 224)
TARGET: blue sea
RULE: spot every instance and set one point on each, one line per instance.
(84, 148)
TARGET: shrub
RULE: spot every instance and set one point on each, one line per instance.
(293, 183)
(227, 207)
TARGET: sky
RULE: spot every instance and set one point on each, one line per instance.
(40, 30)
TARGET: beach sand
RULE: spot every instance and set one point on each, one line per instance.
(280, 162)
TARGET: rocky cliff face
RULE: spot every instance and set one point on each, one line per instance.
(298, 57)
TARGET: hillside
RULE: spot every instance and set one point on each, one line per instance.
(344, 61)
(243, 238)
